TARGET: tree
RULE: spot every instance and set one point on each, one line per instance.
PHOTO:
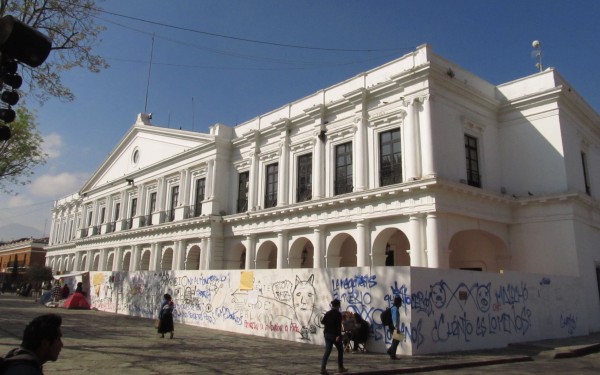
(37, 274)
(21, 153)
(71, 26)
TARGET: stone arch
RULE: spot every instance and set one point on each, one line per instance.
(167, 259)
(145, 260)
(302, 253)
(342, 251)
(192, 260)
(390, 248)
(476, 249)
(266, 255)
(110, 262)
(96, 262)
(59, 265)
(126, 261)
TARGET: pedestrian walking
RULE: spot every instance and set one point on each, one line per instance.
(395, 327)
(42, 342)
(332, 323)
(165, 316)
(56, 291)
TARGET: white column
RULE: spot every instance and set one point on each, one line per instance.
(282, 252)
(102, 260)
(253, 178)
(362, 247)
(319, 247)
(134, 264)
(118, 259)
(184, 188)
(411, 142)
(250, 251)
(207, 250)
(161, 195)
(283, 178)
(89, 260)
(415, 224)
(427, 145)
(155, 256)
(432, 235)
(318, 165)
(77, 266)
(361, 157)
(179, 260)
(210, 182)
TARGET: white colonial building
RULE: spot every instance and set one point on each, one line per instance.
(415, 163)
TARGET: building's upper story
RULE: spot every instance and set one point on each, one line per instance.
(415, 119)
(22, 253)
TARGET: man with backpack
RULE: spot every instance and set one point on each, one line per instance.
(42, 342)
(393, 325)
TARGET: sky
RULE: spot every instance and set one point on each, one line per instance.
(230, 61)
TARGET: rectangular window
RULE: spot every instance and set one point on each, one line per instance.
(586, 180)
(200, 188)
(472, 155)
(133, 209)
(117, 211)
(89, 220)
(271, 185)
(152, 202)
(343, 168)
(102, 213)
(304, 186)
(174, 201)
(390, 158)
(243, 185)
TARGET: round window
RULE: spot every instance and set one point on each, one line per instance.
(135, 157)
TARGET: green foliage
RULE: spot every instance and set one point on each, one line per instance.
(37, 273)
(72, 28)
(21, 153)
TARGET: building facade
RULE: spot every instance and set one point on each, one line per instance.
(17, 256)
(415, 163)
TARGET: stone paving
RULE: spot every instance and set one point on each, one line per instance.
(103, 343)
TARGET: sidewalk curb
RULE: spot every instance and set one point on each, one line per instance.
(447, 366)
(578, 351)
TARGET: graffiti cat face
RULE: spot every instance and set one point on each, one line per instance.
(303, 299)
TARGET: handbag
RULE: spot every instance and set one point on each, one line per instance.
(157, 323)
(398, 336)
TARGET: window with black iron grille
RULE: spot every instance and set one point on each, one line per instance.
(117, 211)
(390, 158)
(174, 201)
(271, 185)
(586, 180)
(200, 188)
(152, 208)
(102, 213)
(472, 154)
(243, 184)
(133, 209)
(304, 187)
(343, 168)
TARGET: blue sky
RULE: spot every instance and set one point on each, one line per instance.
(198, 79)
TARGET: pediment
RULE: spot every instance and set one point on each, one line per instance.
(142, 146)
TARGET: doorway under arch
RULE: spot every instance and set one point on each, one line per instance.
(342, 251)
(266, 256)
(478, 250)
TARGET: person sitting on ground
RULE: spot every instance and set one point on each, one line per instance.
(360, 333)
(65, 291)
(42, 342)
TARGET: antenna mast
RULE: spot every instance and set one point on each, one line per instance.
(149, 71)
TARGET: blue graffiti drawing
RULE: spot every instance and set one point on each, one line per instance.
(303, 300)
(438, 294)
(569, 322)
(483, 297)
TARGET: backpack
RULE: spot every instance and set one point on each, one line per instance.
(5, 363)
(386, 317)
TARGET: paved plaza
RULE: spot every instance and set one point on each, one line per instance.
(103, 343)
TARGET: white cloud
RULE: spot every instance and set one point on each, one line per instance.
(52, 145)
(19, 201)
(57, 186)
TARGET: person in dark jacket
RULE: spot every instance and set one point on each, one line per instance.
(332, 330)
(395, 327)
(165, 316)
(42, 342)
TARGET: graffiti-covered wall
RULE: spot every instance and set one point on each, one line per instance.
(444, 310)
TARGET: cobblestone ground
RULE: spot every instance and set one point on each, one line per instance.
(104, 343)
